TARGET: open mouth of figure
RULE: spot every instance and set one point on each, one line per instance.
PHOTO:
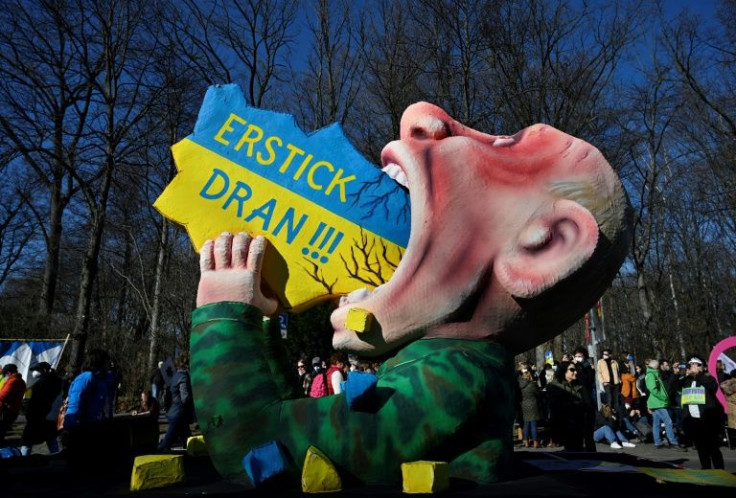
(392, 167)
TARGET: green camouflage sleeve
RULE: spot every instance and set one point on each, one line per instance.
(440, 399)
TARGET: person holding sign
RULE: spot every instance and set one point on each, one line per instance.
(702, 414)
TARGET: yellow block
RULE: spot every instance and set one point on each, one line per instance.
(425, 477)
(318, 474)
(358, 320)
(156, 471)
(196, 446)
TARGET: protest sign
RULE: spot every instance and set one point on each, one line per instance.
(334, 221)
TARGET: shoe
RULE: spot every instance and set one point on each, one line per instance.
(635, 440)
(679, 448)
(659, 446)
(616, 446)
(627, 444)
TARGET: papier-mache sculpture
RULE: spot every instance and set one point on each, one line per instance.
(512, 239)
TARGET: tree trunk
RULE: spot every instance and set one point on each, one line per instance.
(53, 246)
(678, 322)
(155, 308)
(89, 270)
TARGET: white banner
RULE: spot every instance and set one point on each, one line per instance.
(730, 364)
(25, 354)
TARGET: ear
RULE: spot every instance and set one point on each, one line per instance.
(554, 244)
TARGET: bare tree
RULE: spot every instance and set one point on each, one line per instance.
(237, 42)
(124, 94)
(45, 97)
(326, 90)
(393, 66)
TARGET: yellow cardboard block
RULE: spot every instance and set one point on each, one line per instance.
(358, 320)
(157, 471)
(425, 477)
(318, 474)
(196, 446)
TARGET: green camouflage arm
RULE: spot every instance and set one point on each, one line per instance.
(440, 399)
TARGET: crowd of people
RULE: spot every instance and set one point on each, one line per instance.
(579, 403)
(77, 411)
(574, 403)
(324, 380)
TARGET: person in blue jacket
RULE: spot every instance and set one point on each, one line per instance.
(86, 426)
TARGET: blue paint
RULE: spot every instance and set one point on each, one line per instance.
(325, 158)
(265, 461)
(360, 391)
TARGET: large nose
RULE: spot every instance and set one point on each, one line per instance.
(423, 121)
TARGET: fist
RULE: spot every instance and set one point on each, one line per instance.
(231, 271)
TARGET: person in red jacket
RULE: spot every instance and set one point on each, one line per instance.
(11, 398)
(336, 372)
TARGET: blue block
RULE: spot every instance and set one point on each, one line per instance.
(265, 461)
(360, 391)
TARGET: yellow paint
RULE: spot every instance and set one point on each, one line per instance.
(425, 477)
(318, 473)
(358, 320)
(157, 471)
(710, 477)
(252, 134)
(259, 206)
(227, 128)
(196, 446)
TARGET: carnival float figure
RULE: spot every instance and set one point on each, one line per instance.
(512, 239)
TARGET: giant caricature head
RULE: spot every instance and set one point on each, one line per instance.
(512, 239)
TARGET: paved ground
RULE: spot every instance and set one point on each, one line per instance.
(45, 475)
(687, 459)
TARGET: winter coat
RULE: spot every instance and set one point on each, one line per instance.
(11, 395)
(711, 412)
(88, 394)
(729, 389)
(628, 386)
(530, 409)
(604, 376)
(182, 403)
(658, 396)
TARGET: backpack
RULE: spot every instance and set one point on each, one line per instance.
(319, 386)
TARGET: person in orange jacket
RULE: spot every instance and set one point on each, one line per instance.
(628, 388)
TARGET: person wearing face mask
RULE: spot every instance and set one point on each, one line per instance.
(627, 363)
(610, 378)
(39, 429)
(702, 413)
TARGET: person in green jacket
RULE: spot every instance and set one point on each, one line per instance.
(658, 404)
(513, 239)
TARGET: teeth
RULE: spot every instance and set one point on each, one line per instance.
(501, 141)
(358, 295)
(395, 172)
(392, 170)
(402, 180)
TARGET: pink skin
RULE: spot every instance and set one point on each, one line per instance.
(470, 202)
(485, 229)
